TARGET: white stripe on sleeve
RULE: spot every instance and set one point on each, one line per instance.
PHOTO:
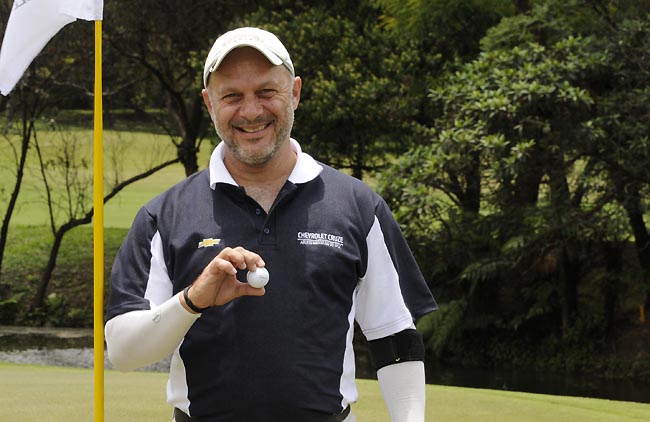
(381, 310)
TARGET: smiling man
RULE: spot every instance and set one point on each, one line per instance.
(251, 102)
(333, 250)
(253, 116)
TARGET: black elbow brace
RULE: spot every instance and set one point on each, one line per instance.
(404, 346)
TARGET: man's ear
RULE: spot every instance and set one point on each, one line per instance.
(297, 87)
(206, 100)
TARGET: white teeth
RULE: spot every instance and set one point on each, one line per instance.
(253, 129)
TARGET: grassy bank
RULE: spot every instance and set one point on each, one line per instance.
(63, 394)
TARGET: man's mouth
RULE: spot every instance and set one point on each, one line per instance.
(253, 129)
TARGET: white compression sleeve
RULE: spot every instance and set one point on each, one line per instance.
(140, 338)
(402, 385)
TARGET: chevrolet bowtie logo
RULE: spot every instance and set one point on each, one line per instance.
(206, 243)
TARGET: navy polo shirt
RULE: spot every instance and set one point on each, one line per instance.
(335, 255)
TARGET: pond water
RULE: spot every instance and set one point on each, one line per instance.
(74, 348)
(55, 347)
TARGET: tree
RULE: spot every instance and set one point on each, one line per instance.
(67, 181)
(623, 143)
(19, 151)
(506, 188)
(452, 28)
(30, 101)
(58, 77)
(503, 130)
(522, 191)
(356, 102)
(164, 54)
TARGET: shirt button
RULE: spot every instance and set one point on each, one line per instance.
(258, 211)
(266, 230)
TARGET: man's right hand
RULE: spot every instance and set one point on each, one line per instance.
(218, 284)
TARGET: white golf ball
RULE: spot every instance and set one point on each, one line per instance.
(258, 278)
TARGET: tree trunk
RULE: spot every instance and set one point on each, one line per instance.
(526, 188)
(358, 160)
(569, 271)
(4, 231)
(569, 276)
(613, 254)
(187, 155)
(39, 299)
(189, 120)
(522, 6)
(524, 193)
(471, 202)
(629, 195)
(466, 185)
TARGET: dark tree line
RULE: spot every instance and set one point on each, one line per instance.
(527, 200)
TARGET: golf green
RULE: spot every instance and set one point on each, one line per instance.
(55, 394)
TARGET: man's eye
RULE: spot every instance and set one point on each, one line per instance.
(267, 93)
(231, 97)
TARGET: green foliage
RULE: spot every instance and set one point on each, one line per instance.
(545, 24)
(358, 94)
(621, 129)
(452, 27)
(438, 328)
(9, 310)
(509, 201)
(58, 312)
(69, 298)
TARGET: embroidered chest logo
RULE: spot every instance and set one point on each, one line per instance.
(206, 243)
(326, 239)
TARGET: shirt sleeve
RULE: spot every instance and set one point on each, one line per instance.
(139, 277)
(393, 292)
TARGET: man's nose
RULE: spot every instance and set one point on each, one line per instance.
(251, 107)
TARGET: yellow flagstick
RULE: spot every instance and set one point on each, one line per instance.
(98, 231)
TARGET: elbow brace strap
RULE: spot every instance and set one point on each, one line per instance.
(404, 346)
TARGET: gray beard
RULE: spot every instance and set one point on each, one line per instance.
(282, 135)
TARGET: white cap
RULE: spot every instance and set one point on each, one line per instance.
(263, 41)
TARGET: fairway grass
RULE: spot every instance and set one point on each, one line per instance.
(126, 154)
(54, 394)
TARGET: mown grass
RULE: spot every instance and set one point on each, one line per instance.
(36, 394)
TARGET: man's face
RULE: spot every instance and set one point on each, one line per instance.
(251, 103)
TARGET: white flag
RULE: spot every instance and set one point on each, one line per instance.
(31, 25)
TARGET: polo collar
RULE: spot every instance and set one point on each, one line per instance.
(305, 170)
